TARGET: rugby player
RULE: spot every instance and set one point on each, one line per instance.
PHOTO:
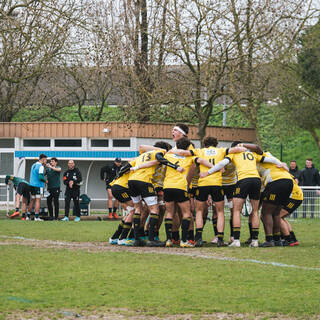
(278, 185)
(22, 192)
(249, 183)
(292, 204)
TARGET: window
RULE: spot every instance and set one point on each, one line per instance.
(6, 143)
(121, 143)
(73, 143)
(99, 143)
(36, 143)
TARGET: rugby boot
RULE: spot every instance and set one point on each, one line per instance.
(266, 244)
(186, 244)
(15, 214)
(254, 244)
(221, 243)
(235, 243)
(169, 243)
(139, 243)
(155, 243)
(199, 243)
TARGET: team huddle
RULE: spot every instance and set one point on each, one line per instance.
(177, 185)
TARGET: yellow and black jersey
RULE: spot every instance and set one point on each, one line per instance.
(173, 178)
(270, 172)
(246, 164)
(229, 176)
(195, 178)
(158, 176)
(145, 174)
(123, 180)
(213, 155)
(296, 193)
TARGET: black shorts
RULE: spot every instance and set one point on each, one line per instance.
(120, 193)
(108, 186)
(292, 205)
(248, 187)
(278, 192)
(36, 192)
(24, 190)
(192, 192)
(176, 195)
(228, 191)
(140, 188)
(216, 193)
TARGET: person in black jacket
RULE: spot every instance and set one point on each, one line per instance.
(108, 173)
(310, 178)
(293, 169)
(72, 179)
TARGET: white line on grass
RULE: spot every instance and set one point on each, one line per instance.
(167, 251)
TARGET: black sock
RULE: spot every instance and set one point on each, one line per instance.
(220, 236)
(136, 225)
(152, 224)
(214, 224)
(250, 230)
(254, 233)
(185, 226)
(287, 238)
(110, 210)
(176, 235)
(293, 236)
(131, 234)
(118, 232)
(168, 227)
(236, 233)
(231, 228)
(114, 210)
(276, 236)
(198, 234)
(17, 209)
(190, 235)
(269, 237)
(125, 230)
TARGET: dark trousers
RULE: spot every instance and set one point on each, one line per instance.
(74, 195)
(54, 195)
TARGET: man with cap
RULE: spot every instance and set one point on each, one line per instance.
(108, 173)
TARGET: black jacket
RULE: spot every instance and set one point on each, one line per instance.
(296, 173)
(74, 175)
(310, 177)
(109, 172)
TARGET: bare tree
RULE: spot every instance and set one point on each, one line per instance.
(264, 33)
(32, 35)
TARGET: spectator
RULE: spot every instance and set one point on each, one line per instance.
(295, 171)
(53, 177)
(108, 173)
(37, 182)
(72, 179)
(309, 178)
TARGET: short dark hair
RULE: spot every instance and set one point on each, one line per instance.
(309, 159)
(183, 143)
(184, 127)
(55, 159)
(42, 155)
(163, 145)
(210, 142)
(293, 161)
(235, 143)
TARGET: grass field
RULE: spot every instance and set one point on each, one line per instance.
(55, 270)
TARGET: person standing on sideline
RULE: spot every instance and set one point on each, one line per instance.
(72, 178)
(22, 188)
(53, 175)
(295, 171)
(37, 182)
(309, 178)
(108, 173)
